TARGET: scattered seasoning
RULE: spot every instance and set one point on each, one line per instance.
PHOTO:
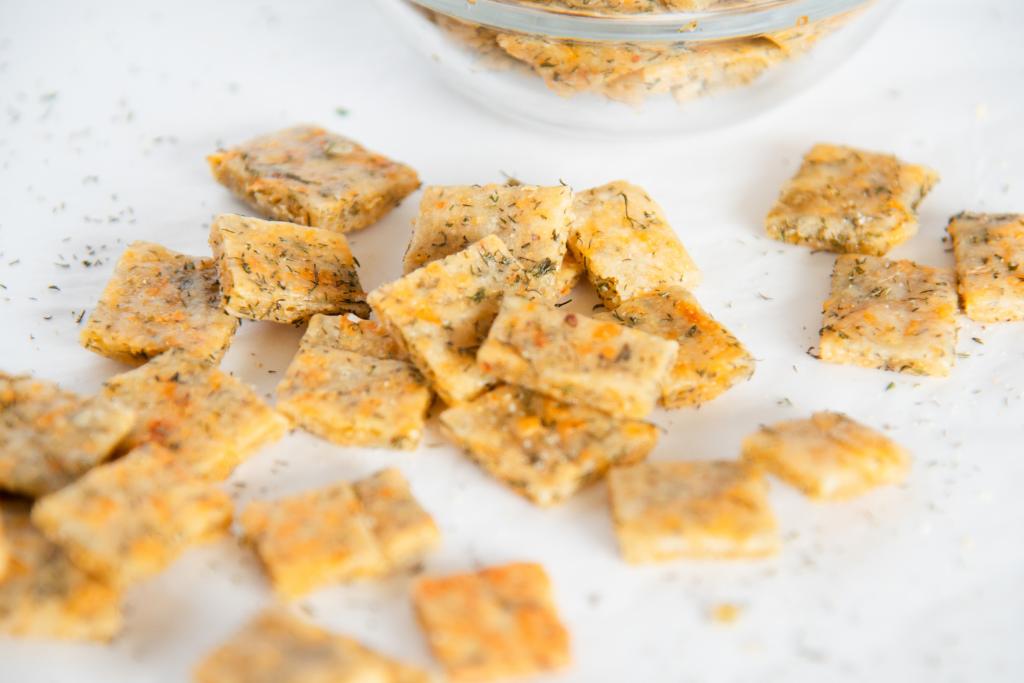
(890, 386)
(341, 111)
(725, 613)
(54, 288)
(976, 340)
(563, 303)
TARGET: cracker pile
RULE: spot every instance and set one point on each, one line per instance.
(545, 400)
(683, 69)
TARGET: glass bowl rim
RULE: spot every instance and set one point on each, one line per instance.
(766, 16)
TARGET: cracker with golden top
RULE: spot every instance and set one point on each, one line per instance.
(710, 358)
(496, 623)
(129, 519)
(850, 201)
(340, 533)
(541, 448)
(828, 456)
(621, 237)
(50, 437)
(440, 313)
(532, 221)
(158, 299)
(212, 420)
(403, 530)
(276, 647)
(890, 315)
(310, 176)
(989, 250)
(43, 594)
(283, 272)
(576, 359)
(352, 398)
(702, 509)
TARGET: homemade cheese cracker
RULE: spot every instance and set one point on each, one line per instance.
(891, 315)
(710, 359)
(212, 420)
(283, 272)
(309, 176)
(339, 533)
(127, 520)
(496, 623)
(44, 595)
(353, 397)
(440, 313)
(541, 448)
(576, 359)
(621, 237)
(828, 456)
(158, 299)
(989, 251)
(533, 222)
(276, 647)
(708, 509)
(848, 200)
(50, 437)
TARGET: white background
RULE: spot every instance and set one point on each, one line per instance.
(106, 113)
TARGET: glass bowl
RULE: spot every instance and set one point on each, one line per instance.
(635, 66)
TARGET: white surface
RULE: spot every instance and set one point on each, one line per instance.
(105, 116)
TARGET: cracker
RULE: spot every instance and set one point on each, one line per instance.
(828, 456)
(532, 221)
(43, 594)
(283, 272)
(708, 509)
(276, 647)
(621, 237)
(340, 533)
(989, 251)
(495, 623)
(365, 337)
(710, 358)
(850, 201)
(541, 448)
(158, 299)
(127, 520)
(890, 315)
(212, 420)
(440, 313)
(309, 176)
(403, 530)
(350, 398)
(50, 437)
(576, 359)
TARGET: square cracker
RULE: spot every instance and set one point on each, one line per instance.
(44, 595)
(576, 359)
(50, 437)
(851, 201)
(127, 520)
(541, 448)
(440, 313)
(890, 315)
(989, 251)
(158, 299)
(276, 647)
(283, 272)
(351, 398)
(210, 418)
(340, 533)
(710, 358)
(309, 176)
(828, 456)
(495, 623)
(532, 221)
(704, 509)
(626, 245)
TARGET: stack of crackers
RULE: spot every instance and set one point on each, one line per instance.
(107, 490)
